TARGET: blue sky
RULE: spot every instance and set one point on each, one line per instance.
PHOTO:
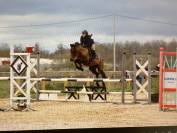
(31, 12)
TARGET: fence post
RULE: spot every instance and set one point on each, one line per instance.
(11, 76)
(123, 77)
(161, 79)
(134, 77)
(176, 82)
(149, 78)
(38, 74)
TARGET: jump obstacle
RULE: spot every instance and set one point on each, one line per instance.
(168, 80)
(22, 82)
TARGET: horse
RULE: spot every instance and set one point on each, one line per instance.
(80, 56)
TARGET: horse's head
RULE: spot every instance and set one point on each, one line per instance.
(74, 51)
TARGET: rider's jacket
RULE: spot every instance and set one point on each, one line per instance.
(86, 41)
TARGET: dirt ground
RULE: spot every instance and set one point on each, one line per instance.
(57, 114)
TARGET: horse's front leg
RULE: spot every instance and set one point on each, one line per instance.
(78, 65)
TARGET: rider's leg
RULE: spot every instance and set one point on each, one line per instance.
(93, 51)
(90, 53)
(93, 54)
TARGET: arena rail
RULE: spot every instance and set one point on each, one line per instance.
(30, 83)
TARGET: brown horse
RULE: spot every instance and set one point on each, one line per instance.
(80, 56)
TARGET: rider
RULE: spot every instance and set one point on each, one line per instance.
(87, 42)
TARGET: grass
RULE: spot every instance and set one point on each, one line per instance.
(155, 85)
(4, 89)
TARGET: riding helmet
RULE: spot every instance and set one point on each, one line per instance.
(85, 32)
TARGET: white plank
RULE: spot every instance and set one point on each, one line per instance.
(4, 78)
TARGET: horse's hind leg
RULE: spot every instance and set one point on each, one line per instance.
(100, 67)
(103, 75)
(93, 70)
(101, 72)
(103, 85)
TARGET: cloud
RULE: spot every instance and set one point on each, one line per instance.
(27, 12)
